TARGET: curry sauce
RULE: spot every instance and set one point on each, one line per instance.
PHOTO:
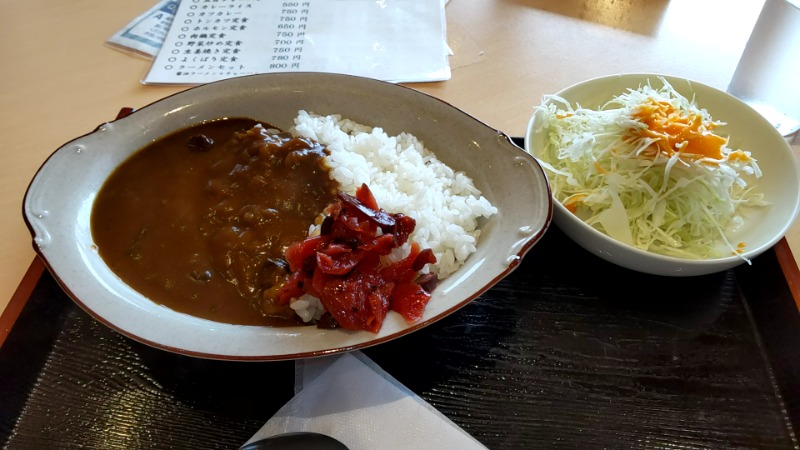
(198, 221)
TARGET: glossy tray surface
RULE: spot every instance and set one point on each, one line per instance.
(568, 351)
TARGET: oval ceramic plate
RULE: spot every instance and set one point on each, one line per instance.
(59, 201)
(747, 130)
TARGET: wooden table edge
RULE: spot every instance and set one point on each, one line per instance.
(789, 268)
(20, 298)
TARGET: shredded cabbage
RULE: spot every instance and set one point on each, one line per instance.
(647, 169)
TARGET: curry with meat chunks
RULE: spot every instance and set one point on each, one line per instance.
(198, 221)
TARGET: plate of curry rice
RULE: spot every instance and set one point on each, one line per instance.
(284, 216)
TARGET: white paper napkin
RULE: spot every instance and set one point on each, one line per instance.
(352, 399)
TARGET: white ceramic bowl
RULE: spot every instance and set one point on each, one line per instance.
(59, 201)
(747, 130)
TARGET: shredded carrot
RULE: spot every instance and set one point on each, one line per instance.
(599, 168)
(738, 155)
(675, 132)
(571, 202)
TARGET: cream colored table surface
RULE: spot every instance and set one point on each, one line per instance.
(59, 81)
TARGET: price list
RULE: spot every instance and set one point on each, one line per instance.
(211, 40)
(287, 52)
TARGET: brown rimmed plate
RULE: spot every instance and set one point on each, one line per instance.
(58, 204)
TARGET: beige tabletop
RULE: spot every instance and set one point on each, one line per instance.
(60, 81)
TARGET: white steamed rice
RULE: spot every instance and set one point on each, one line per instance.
(404, 177)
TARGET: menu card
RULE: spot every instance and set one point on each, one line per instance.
(390, 40)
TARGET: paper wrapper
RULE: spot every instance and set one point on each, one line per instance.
(352, 399)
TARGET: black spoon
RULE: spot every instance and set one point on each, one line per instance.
(296, 441)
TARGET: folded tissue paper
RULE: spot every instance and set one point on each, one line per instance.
(353, 400)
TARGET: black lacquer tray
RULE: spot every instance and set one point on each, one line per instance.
(569, 351)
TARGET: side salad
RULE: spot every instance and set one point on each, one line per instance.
(648, 169)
